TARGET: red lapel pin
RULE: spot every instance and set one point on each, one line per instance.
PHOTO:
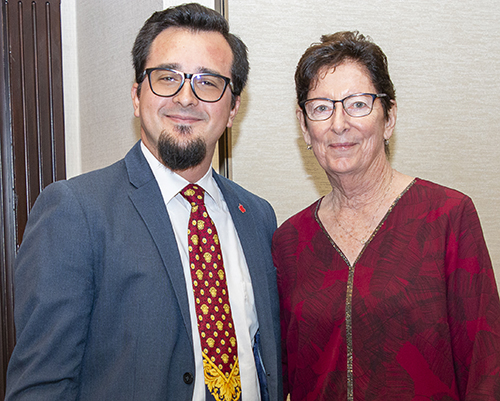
(242, 209)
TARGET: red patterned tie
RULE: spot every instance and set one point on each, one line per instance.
(215, 322)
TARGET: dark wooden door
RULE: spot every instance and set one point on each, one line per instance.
(31, 129)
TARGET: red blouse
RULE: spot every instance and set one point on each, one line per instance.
(417, 317)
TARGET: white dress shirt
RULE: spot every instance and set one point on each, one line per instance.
(239, 284)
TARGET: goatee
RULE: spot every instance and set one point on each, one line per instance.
(181, 157)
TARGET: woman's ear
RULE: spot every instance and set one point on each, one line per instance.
(303, 125)
(390, 122)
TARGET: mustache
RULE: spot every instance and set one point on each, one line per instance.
(181, 112)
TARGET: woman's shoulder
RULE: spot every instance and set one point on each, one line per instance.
(295, 233)
(299, 218)
(298, 224)
(432, 191)
(427, 196)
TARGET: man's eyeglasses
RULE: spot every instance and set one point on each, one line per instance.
(206, 87)
(357, 105)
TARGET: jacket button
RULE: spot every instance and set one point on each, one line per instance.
(188, 378)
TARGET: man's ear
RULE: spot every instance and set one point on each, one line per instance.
(234, 111)
(134, 93)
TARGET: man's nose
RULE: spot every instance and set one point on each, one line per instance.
(186, 96)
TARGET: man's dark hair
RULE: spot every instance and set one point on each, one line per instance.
(194, 17)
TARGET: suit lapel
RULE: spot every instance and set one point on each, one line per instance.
(149, 203)
(244, 222)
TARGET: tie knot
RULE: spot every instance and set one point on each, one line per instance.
(194, 194)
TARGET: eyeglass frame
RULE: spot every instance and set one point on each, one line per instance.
(373, 95)
(227, 82)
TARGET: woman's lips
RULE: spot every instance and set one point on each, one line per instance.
(343, 145)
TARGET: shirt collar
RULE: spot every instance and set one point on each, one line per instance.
(171, 183)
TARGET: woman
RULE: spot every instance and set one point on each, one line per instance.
(387, 290)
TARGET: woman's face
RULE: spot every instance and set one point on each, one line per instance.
(344, 144)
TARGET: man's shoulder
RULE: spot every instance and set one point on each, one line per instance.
(231, 188)
(132, 168)
(105, 186)
(107, 173)
(102, 183)
(247, 203)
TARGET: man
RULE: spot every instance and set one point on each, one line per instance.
(106, 283)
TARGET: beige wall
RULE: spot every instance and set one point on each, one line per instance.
(105, 33)
(443, 58)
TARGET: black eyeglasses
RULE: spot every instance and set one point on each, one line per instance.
(166, 82)
(357, 105)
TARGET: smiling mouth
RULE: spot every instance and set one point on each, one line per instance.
(345, 145)
(183, 119)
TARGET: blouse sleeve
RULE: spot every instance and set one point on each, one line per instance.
(277, 249)
(473, 307)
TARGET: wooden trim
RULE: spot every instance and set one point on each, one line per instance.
(36, 100)
(225, 142)
(7, 220)
(32, 132)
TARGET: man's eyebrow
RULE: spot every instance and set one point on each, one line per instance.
(208, 71)
(168, 66)
(201, 70)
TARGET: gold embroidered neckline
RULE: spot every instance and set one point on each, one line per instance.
(350, 286)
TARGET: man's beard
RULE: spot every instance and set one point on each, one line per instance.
(181, 157)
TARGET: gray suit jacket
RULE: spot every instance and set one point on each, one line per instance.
(101, 307)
